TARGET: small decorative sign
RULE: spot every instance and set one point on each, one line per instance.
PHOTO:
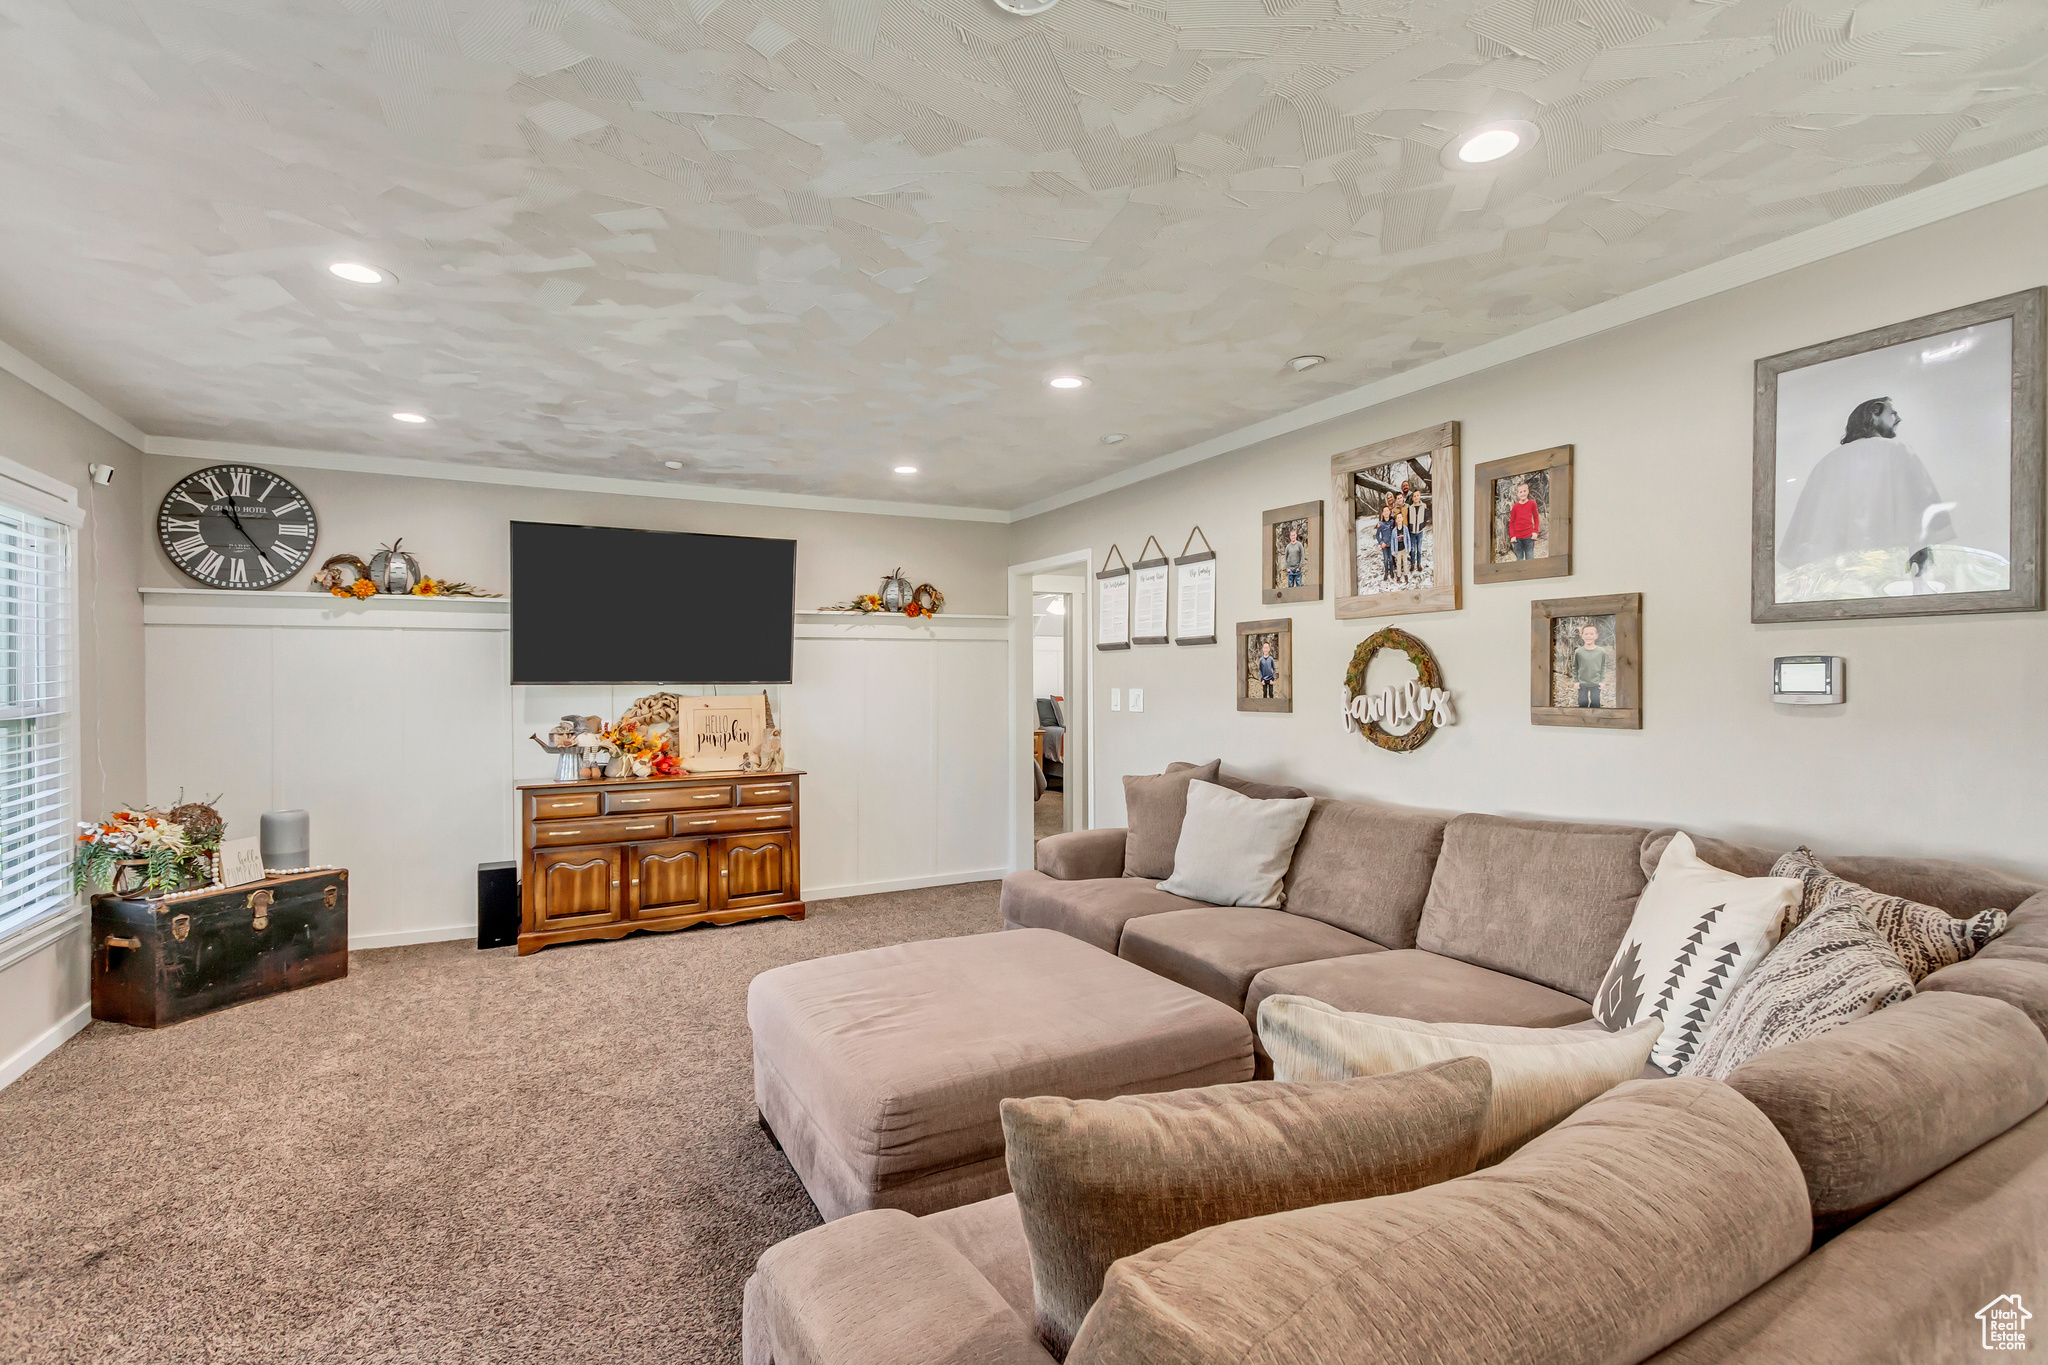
(1195, 591)
(1113, 603)
(241, 861)
(722, 734)
(1422, 703)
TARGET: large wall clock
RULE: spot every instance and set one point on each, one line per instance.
(237, 526)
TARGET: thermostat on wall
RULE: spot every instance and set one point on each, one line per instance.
(1809, 679)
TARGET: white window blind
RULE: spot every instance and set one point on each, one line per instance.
(37, 702)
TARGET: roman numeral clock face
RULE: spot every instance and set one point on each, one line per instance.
(236, 526)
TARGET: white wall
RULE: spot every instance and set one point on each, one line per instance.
(1938, 751)
(45, 996)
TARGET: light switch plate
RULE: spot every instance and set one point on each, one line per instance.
(1137, 699)
(1116, 699)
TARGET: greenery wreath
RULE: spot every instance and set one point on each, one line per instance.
(1427, 673)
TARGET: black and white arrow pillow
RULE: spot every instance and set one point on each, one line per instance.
(1697, 934)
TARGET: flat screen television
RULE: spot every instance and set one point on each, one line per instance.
(600, 604)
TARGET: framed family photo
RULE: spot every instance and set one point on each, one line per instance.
(1586, 662)
(1265, 665)
(1899, 471)
(1293, 553)
(1395, 530)
(1522, 517)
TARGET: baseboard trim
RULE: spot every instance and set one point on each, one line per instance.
(45, 1043)
(399, 938)
(834, 893)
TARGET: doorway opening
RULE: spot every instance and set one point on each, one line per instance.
(1050, 674)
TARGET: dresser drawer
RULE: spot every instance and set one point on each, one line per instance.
(567, 806)
(666, 798)
(767, 793)
(614, 829)
(733, 821)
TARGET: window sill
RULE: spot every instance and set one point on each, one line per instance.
(36, 935)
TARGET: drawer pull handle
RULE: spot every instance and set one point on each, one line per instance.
(566, 833)
(130, 943)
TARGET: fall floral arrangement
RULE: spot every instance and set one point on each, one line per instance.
(649, 754)
(925, 600)
(177, 847)
(348, 576)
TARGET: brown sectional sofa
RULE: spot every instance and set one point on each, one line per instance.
(1854, 1197)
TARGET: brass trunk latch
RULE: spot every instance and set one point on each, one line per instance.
(330, 896)
(260, 902)
(181, 927)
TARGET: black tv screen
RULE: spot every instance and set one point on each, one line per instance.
(598, 604)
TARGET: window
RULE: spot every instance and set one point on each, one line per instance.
(38, 748)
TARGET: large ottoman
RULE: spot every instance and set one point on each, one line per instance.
(882, 1073)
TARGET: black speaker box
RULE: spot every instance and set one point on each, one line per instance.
(497, 905)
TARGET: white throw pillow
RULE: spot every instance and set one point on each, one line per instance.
(1697, 934)
(1234, 850)
(1540, 1075)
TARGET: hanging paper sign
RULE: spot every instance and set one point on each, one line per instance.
(1113, 603)
(1148, 597)
(1195, 592)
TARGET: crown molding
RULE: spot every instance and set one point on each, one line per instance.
(1958, 195)
(1971, 190)
(220, 451)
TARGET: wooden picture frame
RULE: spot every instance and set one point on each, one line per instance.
(1836, 551)
(1432, 456)
(1273, 527)
(1489, 524)
(1250, 695)
(1544, 617)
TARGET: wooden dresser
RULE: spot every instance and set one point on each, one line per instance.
(608, 858)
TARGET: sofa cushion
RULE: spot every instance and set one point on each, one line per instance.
(1635, 1220)
(1234, 849)
(1877, 1106)
(1081, 854)
(1245, 786)
(1365, 867)
(1218, 951)
(2021, 984)
(1093, 911)
(1962, 889)
(1906, 1283)
(1539, 1074)
(1534, 898)
(991, 1236)
(1926, 939)
(1411, 984)
(1154, 807)
(2026, 934)
(1697, 934)
(1832, 970)
(1098, 1180)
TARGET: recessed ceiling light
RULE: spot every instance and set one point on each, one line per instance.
(357, 273)
(906, 469)
(1068, 381)
(1489, 143)
(671, 464)
(1305, 362)
(412, 417)
(1027, 8)
(1115, 438)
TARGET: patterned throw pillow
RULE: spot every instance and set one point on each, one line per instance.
(1926, 939)
(1834, 968)
(1697, 933)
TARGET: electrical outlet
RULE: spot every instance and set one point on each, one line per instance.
(1116, 699)
(1137, 699)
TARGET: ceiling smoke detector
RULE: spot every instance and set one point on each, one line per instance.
(1305, 362)
(1489, 143)
(1027, 8)
(671, 464)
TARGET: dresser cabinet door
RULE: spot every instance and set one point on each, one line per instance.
(575, 886)
(754, 869)
(669, 879)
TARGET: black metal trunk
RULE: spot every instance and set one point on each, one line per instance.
(157, 962)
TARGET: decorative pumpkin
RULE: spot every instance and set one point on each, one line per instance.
(895, 592)
(393, 570)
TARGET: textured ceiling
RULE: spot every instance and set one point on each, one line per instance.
(791, 243)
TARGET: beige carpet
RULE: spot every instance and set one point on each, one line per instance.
(1048, 815)
(450, 1156)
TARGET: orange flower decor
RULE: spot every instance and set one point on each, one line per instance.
(362, 587)
(426, 587)
(912, 609)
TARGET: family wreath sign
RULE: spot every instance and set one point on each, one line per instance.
(1422, 704)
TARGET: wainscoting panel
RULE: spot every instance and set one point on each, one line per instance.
(394, 724)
